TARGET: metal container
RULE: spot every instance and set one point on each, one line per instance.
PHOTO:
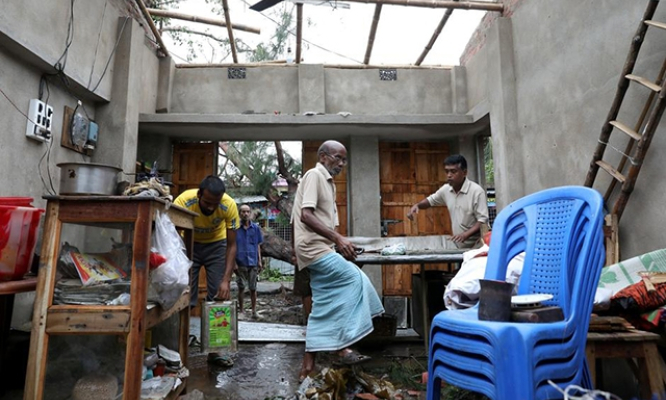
(219, 326)
(88, 178)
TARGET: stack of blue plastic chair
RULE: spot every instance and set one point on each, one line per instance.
(561, 232)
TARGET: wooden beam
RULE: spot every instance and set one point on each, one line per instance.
(152, 26)
(434, 37)
(373, 32)
(299, 31)
(204, 20)
(227, 19)
(463, 5)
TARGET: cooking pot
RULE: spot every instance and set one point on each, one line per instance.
(88, 178)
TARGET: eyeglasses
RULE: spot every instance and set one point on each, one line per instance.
(338, 159)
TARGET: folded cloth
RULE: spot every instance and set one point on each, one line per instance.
(343, 304)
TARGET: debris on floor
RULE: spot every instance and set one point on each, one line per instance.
(345, 383)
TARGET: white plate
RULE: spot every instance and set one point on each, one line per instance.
(525, 299)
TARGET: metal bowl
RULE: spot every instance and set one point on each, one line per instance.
(88, 178)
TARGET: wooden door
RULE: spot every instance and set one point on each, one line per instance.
(191, 163)
(410, 172)
(310, 159)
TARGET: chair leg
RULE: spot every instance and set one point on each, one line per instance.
(434, 387)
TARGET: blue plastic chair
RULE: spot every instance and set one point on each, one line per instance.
(561, 232)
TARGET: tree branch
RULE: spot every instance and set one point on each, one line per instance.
(193, 32)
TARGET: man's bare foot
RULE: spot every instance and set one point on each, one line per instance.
(308, 366)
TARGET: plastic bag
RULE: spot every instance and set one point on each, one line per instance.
(170, 279)
(397, 249)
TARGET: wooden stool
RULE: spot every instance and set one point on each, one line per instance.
(638, 345)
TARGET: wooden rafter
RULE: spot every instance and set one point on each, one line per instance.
(299, 31)
(227, 19)
(152, 26)
(373, 32)
(435, 35)
(463, 5)
(204, 20)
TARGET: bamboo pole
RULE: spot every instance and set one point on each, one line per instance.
(204, 20)
(232, 42)
(435, 35)
(373, 32)
(299, 31)
(464, 5)
(282, 63)
(152, 26)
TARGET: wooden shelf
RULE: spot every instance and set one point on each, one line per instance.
(104, 320)
(133, 320)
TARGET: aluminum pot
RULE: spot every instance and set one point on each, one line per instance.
(88, 178)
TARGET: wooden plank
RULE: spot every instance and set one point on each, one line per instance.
(230, 32)
(435, 35)
(624, 128)
(656, 24)
(373, 32)
(203, 20)
(464, 5)
(611, 171)
(156, 314)
(643, 81)
(69, 319)
(138, 294)
(88, 211)
(34, 381)
(652, 385)
(299, 32)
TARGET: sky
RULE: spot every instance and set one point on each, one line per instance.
(340, 36)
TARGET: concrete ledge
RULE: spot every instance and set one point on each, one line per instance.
(434, 127)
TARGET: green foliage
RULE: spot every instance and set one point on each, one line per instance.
(273, 275)
(253, 168)
(488, 162)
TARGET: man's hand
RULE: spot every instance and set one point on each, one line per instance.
(459, 238)
(413, 211)
(346, 248)
(223, 292)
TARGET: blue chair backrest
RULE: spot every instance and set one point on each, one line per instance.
(561, 232)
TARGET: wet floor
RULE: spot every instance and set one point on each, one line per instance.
(260, 371)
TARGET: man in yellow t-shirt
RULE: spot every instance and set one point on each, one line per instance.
(214, 240)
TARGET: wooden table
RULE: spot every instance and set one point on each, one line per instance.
(445, 256)
(132, 217)
(638, 345)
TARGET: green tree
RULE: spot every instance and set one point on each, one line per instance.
(203, 43)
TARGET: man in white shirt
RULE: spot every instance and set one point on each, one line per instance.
(465, 200)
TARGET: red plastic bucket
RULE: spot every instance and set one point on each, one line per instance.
(18, 236)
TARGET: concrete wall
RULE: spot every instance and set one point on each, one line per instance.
(32, 39)
(414, 92)
(297, 89)
(210, 91)
(548, 76)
